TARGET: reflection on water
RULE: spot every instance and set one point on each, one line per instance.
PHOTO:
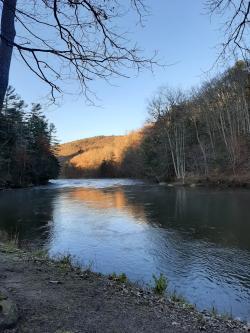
(198, 238)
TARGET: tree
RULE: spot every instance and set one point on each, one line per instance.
(237, 24)
(205, 133)
(27, 145)
(108, 167)
(44, 164)
(168, 109)
(7, 38)
(68, 39)
(12, 137)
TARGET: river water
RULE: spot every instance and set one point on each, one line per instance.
(198, 238)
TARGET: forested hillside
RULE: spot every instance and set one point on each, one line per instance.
(27, 145)
(200, 134)
(205, 132)
(100, 156)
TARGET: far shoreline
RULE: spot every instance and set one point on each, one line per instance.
(210, 182)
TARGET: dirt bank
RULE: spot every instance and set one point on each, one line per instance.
(54, 298)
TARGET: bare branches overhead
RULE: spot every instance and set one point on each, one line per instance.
(237, 25)
(62, 40)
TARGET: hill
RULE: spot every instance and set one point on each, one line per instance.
(96, 156)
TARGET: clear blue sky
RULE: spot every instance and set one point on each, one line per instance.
(184, 37)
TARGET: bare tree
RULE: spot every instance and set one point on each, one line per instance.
(204, 132)
(237, 25)
(60, 40)
(168, 109)
(6, 45)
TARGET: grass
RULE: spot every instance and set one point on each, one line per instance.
(2, 297)
(227, 315)
(160, 284)
(177, 298)
(11, 244)
(40, 253)
(66, 261)
(214, 311)
(122, 278)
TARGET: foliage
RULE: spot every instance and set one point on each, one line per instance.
(214, 311)
(122, 278)
(27, 154)
(160, 284)
(180, 299)
(65, 260)
(108, 168)
(40, 253)
(12, 243)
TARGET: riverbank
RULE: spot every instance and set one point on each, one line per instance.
(220, 182)
(54, 297)
(23, 186)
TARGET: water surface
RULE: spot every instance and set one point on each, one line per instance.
(198, 238)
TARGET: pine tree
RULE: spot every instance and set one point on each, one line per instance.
(27, 154)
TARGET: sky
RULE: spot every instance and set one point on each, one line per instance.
(186, 39)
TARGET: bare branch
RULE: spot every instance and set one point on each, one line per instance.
(236, 26)
(77, 39)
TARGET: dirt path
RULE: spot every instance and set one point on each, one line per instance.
(51, 298)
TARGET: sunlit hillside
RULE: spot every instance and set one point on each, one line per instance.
(85, 157)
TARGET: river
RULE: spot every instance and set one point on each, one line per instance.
(198, 238)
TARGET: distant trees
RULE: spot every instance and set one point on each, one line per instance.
(202, 133)
(108, 168)
(102, 156)
(27, 146)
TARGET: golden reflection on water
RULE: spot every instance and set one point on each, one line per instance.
(109, 199)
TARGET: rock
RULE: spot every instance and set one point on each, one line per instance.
(8, 312)
(193, 185)
(55, 282)
(162, 183)
(247, 327)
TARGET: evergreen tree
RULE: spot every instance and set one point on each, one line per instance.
(27, 154)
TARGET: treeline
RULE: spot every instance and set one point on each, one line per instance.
(27, 144)
(204, 133)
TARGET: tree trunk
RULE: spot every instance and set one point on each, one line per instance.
(7, 37)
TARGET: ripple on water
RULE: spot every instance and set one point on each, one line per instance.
(198, 238)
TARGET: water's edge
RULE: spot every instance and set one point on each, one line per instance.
(197, 237)
(177, 307)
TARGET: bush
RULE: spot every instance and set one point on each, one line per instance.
(160, 284)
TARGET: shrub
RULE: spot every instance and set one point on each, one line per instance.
(160, 284)
(119, 278)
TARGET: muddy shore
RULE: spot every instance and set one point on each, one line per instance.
(51, 297)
